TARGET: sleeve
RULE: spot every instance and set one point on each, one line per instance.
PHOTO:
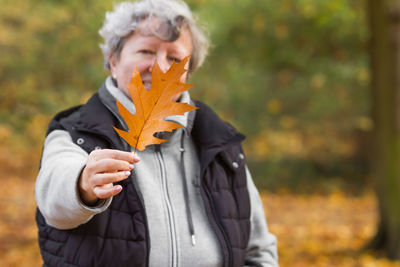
(56, 189)
(262, 246)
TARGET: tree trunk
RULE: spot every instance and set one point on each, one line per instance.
(384, 19)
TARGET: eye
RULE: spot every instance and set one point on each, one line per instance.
(174, 59)
(146, 52)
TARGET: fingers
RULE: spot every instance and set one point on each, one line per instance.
(107, 191)
(101, 186)
(110, 160)
(114, 154)
(103, 168)
(108, 178)
(109, 165)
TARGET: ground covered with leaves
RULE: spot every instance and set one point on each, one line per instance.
(323, 230)
(312, 230)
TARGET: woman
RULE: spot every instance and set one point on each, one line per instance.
(188, 202)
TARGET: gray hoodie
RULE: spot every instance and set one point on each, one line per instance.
(159, 180)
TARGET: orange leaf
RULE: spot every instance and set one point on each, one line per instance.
(154, 105)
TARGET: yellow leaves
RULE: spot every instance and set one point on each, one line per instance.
(85, 97)
(274, 106)
(312, 230)
(36, 129)
(154, 105)
(323, 230)
(318, 81)
(365, 123)
(287, 122)
(281, 31)
(363, 76)
(273, 143)
(307, 8)
(289, 141)
(259, 24)
(18, 231)
(5, 132)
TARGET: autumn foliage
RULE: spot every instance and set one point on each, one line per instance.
(268, 73)
(154, 105)
(312, 230)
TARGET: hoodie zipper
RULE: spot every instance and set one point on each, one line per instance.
(170, 213)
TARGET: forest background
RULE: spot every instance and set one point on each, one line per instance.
(293, 75)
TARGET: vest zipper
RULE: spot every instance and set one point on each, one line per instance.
(170, 213)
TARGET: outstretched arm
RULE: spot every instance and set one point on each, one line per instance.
(73, 186)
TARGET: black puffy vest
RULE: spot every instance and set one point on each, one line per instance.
(119, 236)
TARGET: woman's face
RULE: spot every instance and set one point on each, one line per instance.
(141, 50)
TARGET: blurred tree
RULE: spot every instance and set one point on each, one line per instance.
(291, 74)
(384, 18)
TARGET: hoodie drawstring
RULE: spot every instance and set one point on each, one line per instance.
(186, 192)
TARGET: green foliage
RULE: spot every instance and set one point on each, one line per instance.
(50, 61)
(291, 74)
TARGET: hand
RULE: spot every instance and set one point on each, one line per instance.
(103, 168)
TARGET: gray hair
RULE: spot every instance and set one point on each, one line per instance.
(172, 15)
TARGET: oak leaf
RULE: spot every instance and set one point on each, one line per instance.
(154, 105)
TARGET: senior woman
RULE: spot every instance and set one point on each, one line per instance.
(188, 202)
